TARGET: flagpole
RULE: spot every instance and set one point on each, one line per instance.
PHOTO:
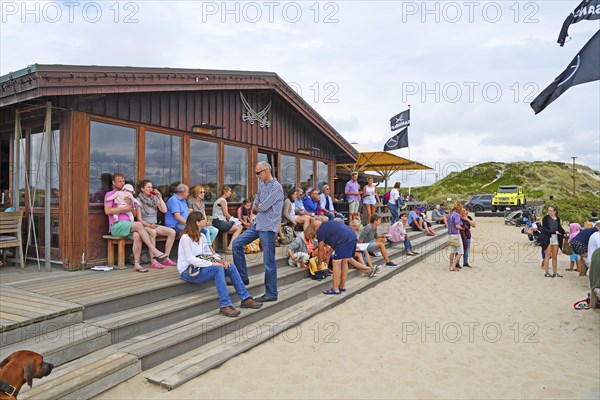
(409, 156)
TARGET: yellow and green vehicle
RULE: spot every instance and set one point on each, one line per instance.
(508, 196)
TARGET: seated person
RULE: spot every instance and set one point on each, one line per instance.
(289, 214)
(594, 217)
(302, 248)
(362, 258)
(326, 204)
(245, 214)
(376, 242)
(196, 263)
(196, 203)
(177, 208)
(221, 218)
(123, 198)
(299, 203)
(417, 221)
(312, 206)
(438, 215)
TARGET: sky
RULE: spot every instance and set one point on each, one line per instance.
(468, 69)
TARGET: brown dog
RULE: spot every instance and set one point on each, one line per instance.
(20, 367)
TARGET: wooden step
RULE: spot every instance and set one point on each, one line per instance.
(25, 314)
(88, 380)
(63, 345)
(196, 362)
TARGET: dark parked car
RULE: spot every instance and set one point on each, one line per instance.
(479, 202)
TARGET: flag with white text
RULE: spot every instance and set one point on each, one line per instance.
(587, 9)
(401, 120)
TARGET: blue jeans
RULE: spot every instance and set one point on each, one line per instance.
(178, 228)
(329, 215)
(267, 240)
(218, 274)
(407, 245)
(210, 232)
(466, 252)
(394, 211)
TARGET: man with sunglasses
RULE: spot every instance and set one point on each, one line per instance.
(267, 206)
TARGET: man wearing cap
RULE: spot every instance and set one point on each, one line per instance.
(352, 191)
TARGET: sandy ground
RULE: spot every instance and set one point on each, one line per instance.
(499, 330)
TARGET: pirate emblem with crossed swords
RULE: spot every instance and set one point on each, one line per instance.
(252, 115)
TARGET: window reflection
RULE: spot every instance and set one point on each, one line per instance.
(235, 164)
(288, 173)
(306, 174)
(112, 149)
(322, 174)
(40, 167)
(163, 161)
(204, 167)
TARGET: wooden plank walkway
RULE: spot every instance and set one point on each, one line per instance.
(20, 307)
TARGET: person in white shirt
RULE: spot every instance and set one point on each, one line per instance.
(394, 203)
(197, 263)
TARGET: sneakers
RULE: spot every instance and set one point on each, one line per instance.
(229, 311)
(167, 262)
(547, 275)
(391, 265)
(251, 303)
(373, 271)
(467, 266)
(557, 275)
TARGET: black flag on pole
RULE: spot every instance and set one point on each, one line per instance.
(587, 9)
(401, 120)
(398, 141)
(585, 67)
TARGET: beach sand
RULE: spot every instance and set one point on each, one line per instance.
(498, 330)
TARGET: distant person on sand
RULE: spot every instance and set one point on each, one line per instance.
(551, 239)
(594, 217)
(455, 242)
(574, 230)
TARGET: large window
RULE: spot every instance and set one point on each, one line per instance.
(204, 166)
(235, 161)
(288, 173)
(322, 174)
(306, 174)
(271, 158)
(40, 168)
(112, 149)
(163, 162)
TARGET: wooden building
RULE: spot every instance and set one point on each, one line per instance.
(167, 125)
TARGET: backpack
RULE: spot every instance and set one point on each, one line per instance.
(395, 233)
(317, 272)
(386, 197)
(144, 257)
(288, 235)
(253, 247)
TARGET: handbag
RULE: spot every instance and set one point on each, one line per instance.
(395, 234)
(193, 270)
(567, 248)
(453, 241)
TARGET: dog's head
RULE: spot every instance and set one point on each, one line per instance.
(31, 363)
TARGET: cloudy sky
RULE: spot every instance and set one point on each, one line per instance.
(468, 69)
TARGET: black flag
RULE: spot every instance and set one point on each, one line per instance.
(400, 121)
(585, 67)
(588, 9)
(397, 141)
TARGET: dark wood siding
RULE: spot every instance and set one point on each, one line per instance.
(181, 110)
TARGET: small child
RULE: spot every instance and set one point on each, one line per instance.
(245, 214)
(124, 197)
(574, 229)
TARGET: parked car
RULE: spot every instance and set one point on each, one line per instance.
(479, 202)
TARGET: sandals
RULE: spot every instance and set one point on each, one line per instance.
(547, 275)
(331, 291)
(141, 269)
(454, 270)
(557, 275)
(342, 289)
(156, 265)
(162, 257)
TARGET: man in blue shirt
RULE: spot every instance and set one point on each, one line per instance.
(312, 205)
(177, 208)
(267, 206)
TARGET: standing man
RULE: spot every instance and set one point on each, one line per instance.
(352, 191)
(267, 206)
(177, 208)
(124, 227)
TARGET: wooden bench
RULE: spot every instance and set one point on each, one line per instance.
(120, 242)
